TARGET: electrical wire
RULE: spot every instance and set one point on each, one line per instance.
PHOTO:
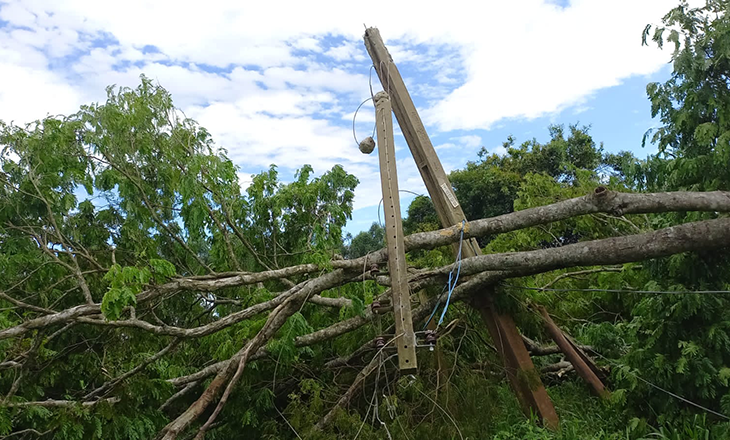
(449, 285)
(443, 411)
(435, 308)
(458, 271)
(655, 386)
(651, 384)
(353, 122)
(381, 202)
(372, 97)
(646, 292)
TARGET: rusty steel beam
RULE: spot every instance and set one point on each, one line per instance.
(573, 354)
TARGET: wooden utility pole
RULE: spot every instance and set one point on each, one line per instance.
(405, 338)
(520, 370)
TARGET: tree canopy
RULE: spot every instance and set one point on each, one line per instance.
(144, 295)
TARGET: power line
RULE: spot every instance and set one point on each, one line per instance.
(372, 97)
(353, 122)
(647, 292)
(400, 191)
(651, 384)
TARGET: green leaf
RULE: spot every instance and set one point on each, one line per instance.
(724, 375)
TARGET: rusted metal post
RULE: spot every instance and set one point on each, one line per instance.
(574, 357)
(405, 337)
(601, 374)
(523, 376)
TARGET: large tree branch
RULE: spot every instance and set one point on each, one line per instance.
(23, 305)
(325, 334)
(709, 234)
(276, 319)
(48, 320)
(704, 235)
(204, 330)
(203, 284)
(536, 349)
(601, 200)
(696, 236)
(212, 283)
(374, 363)
(60, 403)
(223, 322)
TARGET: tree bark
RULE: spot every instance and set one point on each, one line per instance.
(696, 236)
(704, 235)
(601, 200)
(276, 319)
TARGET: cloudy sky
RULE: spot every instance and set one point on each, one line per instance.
(278, 82)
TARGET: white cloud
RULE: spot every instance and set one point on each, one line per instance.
(445, 146)
(316, 77)
(346, 51)
(307, 43)
(278, 83)
(17, 14)
(370, 192)
(499, 150)
(549, 60)
(466, 142)
(244, 180)
(258, 140)
(469, 141)
(23, 86)
(405, 55)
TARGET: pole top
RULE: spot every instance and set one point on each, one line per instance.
(380, 97)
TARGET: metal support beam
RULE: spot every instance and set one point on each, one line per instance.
(405, 337)
(523, 376)
(583, 366)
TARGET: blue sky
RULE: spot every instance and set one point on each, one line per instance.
(278, 83)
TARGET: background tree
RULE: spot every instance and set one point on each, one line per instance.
(164, 302)
(161, 201)
(366, 241)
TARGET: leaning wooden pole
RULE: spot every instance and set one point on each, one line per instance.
(405, 337)
(521, 372)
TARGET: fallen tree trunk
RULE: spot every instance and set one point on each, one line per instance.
(703, 235)
(601, 200)
(709, 234)
(561, 368)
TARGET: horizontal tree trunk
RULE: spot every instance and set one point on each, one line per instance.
(50, 403)
(696, 236)
(600, 200)
(704, 235)
(560, 367)
(709, 234)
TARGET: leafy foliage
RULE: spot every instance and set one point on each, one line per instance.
(161, 200)
(693, 105)
(366, 241)
(126, 201)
